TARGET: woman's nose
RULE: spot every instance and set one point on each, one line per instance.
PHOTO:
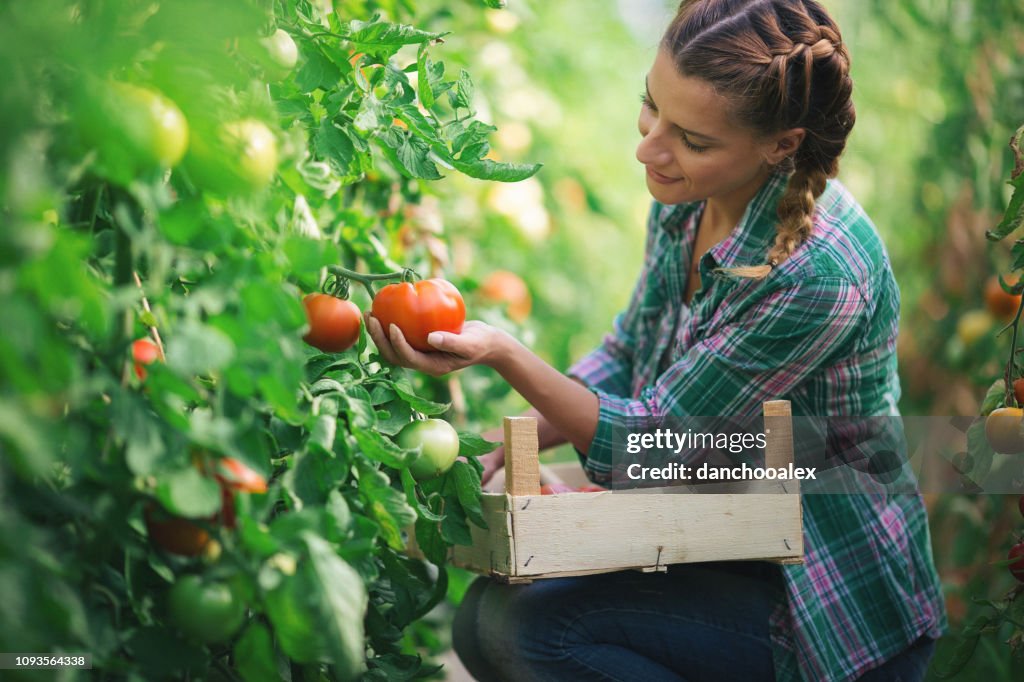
(651, 151)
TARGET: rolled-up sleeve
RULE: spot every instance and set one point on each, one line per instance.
(763, 355)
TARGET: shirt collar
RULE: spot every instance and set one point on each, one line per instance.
(750, 240)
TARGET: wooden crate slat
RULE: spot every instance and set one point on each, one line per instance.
(614, 531)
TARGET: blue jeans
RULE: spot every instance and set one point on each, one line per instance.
(705, 621)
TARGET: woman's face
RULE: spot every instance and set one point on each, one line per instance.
(690, 149)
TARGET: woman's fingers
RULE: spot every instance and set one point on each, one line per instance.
(410, 357)
(380, 340)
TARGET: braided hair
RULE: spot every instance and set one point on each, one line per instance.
(783, 65)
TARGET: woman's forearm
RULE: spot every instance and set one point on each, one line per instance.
(570, 409)
(547, 435)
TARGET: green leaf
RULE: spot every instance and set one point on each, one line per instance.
(473, 445)
(386, 505)
(409, 485)
(343, 601)
(359, 408)
(323, 432)
(335, 146)
(370, 36)
(486, 169)
(188, 493)
(317, 72)
(454, 528)
(381, 449)
(994, 397)
(293, 610)
(467, 487)
(254, 655)
(419, 404)
(981, 452)
(1013, 217)
(496, 4)
(462, 96)
(399, 413)
(426, 93)
(197, 348)
(430, 542)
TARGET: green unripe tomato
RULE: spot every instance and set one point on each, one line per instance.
(209, 612)
(439, 444)
(240, 157)
(280, 54)
(132, 128)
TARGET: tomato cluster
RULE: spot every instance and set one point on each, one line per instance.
(134, 129)
(189, 537)
(416, 308)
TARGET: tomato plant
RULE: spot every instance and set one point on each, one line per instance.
(334, 324)
(438, 444)
(208, 611)
(268, 467)
(420, 308)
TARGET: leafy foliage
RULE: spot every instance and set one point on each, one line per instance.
(209, 259)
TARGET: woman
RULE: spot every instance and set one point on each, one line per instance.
(762, 279)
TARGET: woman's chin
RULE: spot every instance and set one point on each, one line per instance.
(668, 194)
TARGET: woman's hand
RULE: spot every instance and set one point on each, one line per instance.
(492, 462)
(477, 344)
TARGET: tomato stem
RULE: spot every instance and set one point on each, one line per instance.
(404, 275)
(1010, 397)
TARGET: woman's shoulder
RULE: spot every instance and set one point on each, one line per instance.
(844, 243)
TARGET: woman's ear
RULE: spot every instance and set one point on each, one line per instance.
(783, 144)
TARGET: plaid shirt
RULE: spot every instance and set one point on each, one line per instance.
(819, 331)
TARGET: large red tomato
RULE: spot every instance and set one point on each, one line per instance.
(430, 305)
(334, 323)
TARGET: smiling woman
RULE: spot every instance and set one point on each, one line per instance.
(763, 280)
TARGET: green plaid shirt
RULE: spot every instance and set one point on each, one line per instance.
(819, 331)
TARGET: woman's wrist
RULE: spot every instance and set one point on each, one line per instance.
(502, 351)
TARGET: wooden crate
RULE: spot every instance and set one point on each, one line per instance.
(532, 536)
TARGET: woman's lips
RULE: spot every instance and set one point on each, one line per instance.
(659, 178)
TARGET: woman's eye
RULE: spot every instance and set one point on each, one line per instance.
(646, 101)
(693, 147)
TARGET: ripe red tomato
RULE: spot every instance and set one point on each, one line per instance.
(144, 352)
(430, 305)
(508, 288)
(590, 488)
(1003, 430)
(240, 476)
(334, 323)
(1018, 390)
(556, 489)
(173, 533)
(1000, 303)
(1017, 567)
